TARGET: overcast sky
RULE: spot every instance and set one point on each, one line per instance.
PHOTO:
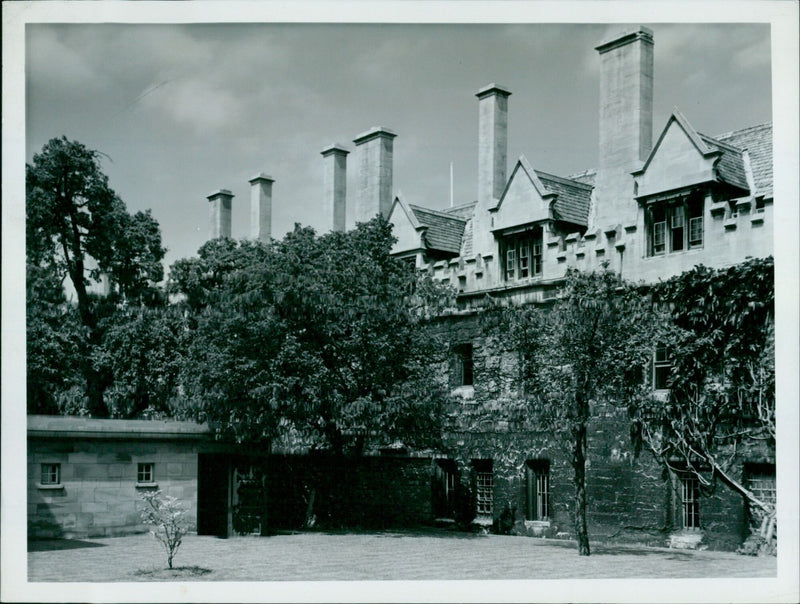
(183, 110)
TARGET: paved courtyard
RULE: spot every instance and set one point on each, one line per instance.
(420, 555)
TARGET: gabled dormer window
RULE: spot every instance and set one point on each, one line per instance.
(674, 225)
(522, 255)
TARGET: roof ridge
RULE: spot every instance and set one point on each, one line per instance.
(563, 179)
(459, 206)
(723, 144)
(436, 212)
(730, 133)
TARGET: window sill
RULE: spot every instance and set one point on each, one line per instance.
(661, 395)
(464, 392)
(537, 524)
(50, 487)
(483, 521)
(146, 485)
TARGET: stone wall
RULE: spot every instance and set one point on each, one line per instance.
(98, 494)
(371, 492)
(631, 497)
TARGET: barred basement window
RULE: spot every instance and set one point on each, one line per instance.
(690, 502)
(760, 481)
(51, 474)
(537, 490)
(484, 487)
(145, 473)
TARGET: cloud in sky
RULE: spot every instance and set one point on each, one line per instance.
(184, 109)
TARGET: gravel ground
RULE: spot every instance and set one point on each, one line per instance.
(423, 555)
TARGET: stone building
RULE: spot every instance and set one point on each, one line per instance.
(652, 207)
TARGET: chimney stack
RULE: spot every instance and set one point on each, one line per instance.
(626, 121)
(335, 185)
(492, 159)
(219, 224)
(261, 207)
(375, 149)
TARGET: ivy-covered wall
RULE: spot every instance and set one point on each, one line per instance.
(631, 498)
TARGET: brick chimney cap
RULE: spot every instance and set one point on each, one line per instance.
(220, 193)
(334, 148)
(374, 132)
(624, 37)
(492, 89)
(261, 176)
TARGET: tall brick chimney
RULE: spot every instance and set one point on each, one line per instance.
(261, 207)
(335, 185)
(375, 149)
(626, 121)
(492, 159)
(219, 218)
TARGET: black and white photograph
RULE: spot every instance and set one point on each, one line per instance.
(400, 301)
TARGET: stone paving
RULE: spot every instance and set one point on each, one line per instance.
(421, 555)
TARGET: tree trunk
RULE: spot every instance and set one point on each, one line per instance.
(579, 467)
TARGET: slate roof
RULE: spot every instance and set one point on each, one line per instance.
(572, 203)
(444, 231)
(757, 141)
(730, 167)
(87, 427)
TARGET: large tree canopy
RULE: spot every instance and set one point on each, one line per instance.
(77, 227)
(322, 336)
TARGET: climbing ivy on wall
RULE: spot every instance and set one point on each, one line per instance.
(720, 407)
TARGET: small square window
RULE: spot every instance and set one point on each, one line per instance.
(145, 472)
(51, 474)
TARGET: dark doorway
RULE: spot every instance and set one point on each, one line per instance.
(212, 495)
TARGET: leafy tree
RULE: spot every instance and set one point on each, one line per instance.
(78, 227)
(721, 402)
(590, 346)
(167, 516)
(142, 350)
(357, 365)
(317, 338)
(54, 340)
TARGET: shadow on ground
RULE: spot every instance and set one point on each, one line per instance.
(49, 545)
(178, 572)
(614, 550)
(404, 533)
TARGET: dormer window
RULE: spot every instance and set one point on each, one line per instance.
(522, 255)
(674, 226)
